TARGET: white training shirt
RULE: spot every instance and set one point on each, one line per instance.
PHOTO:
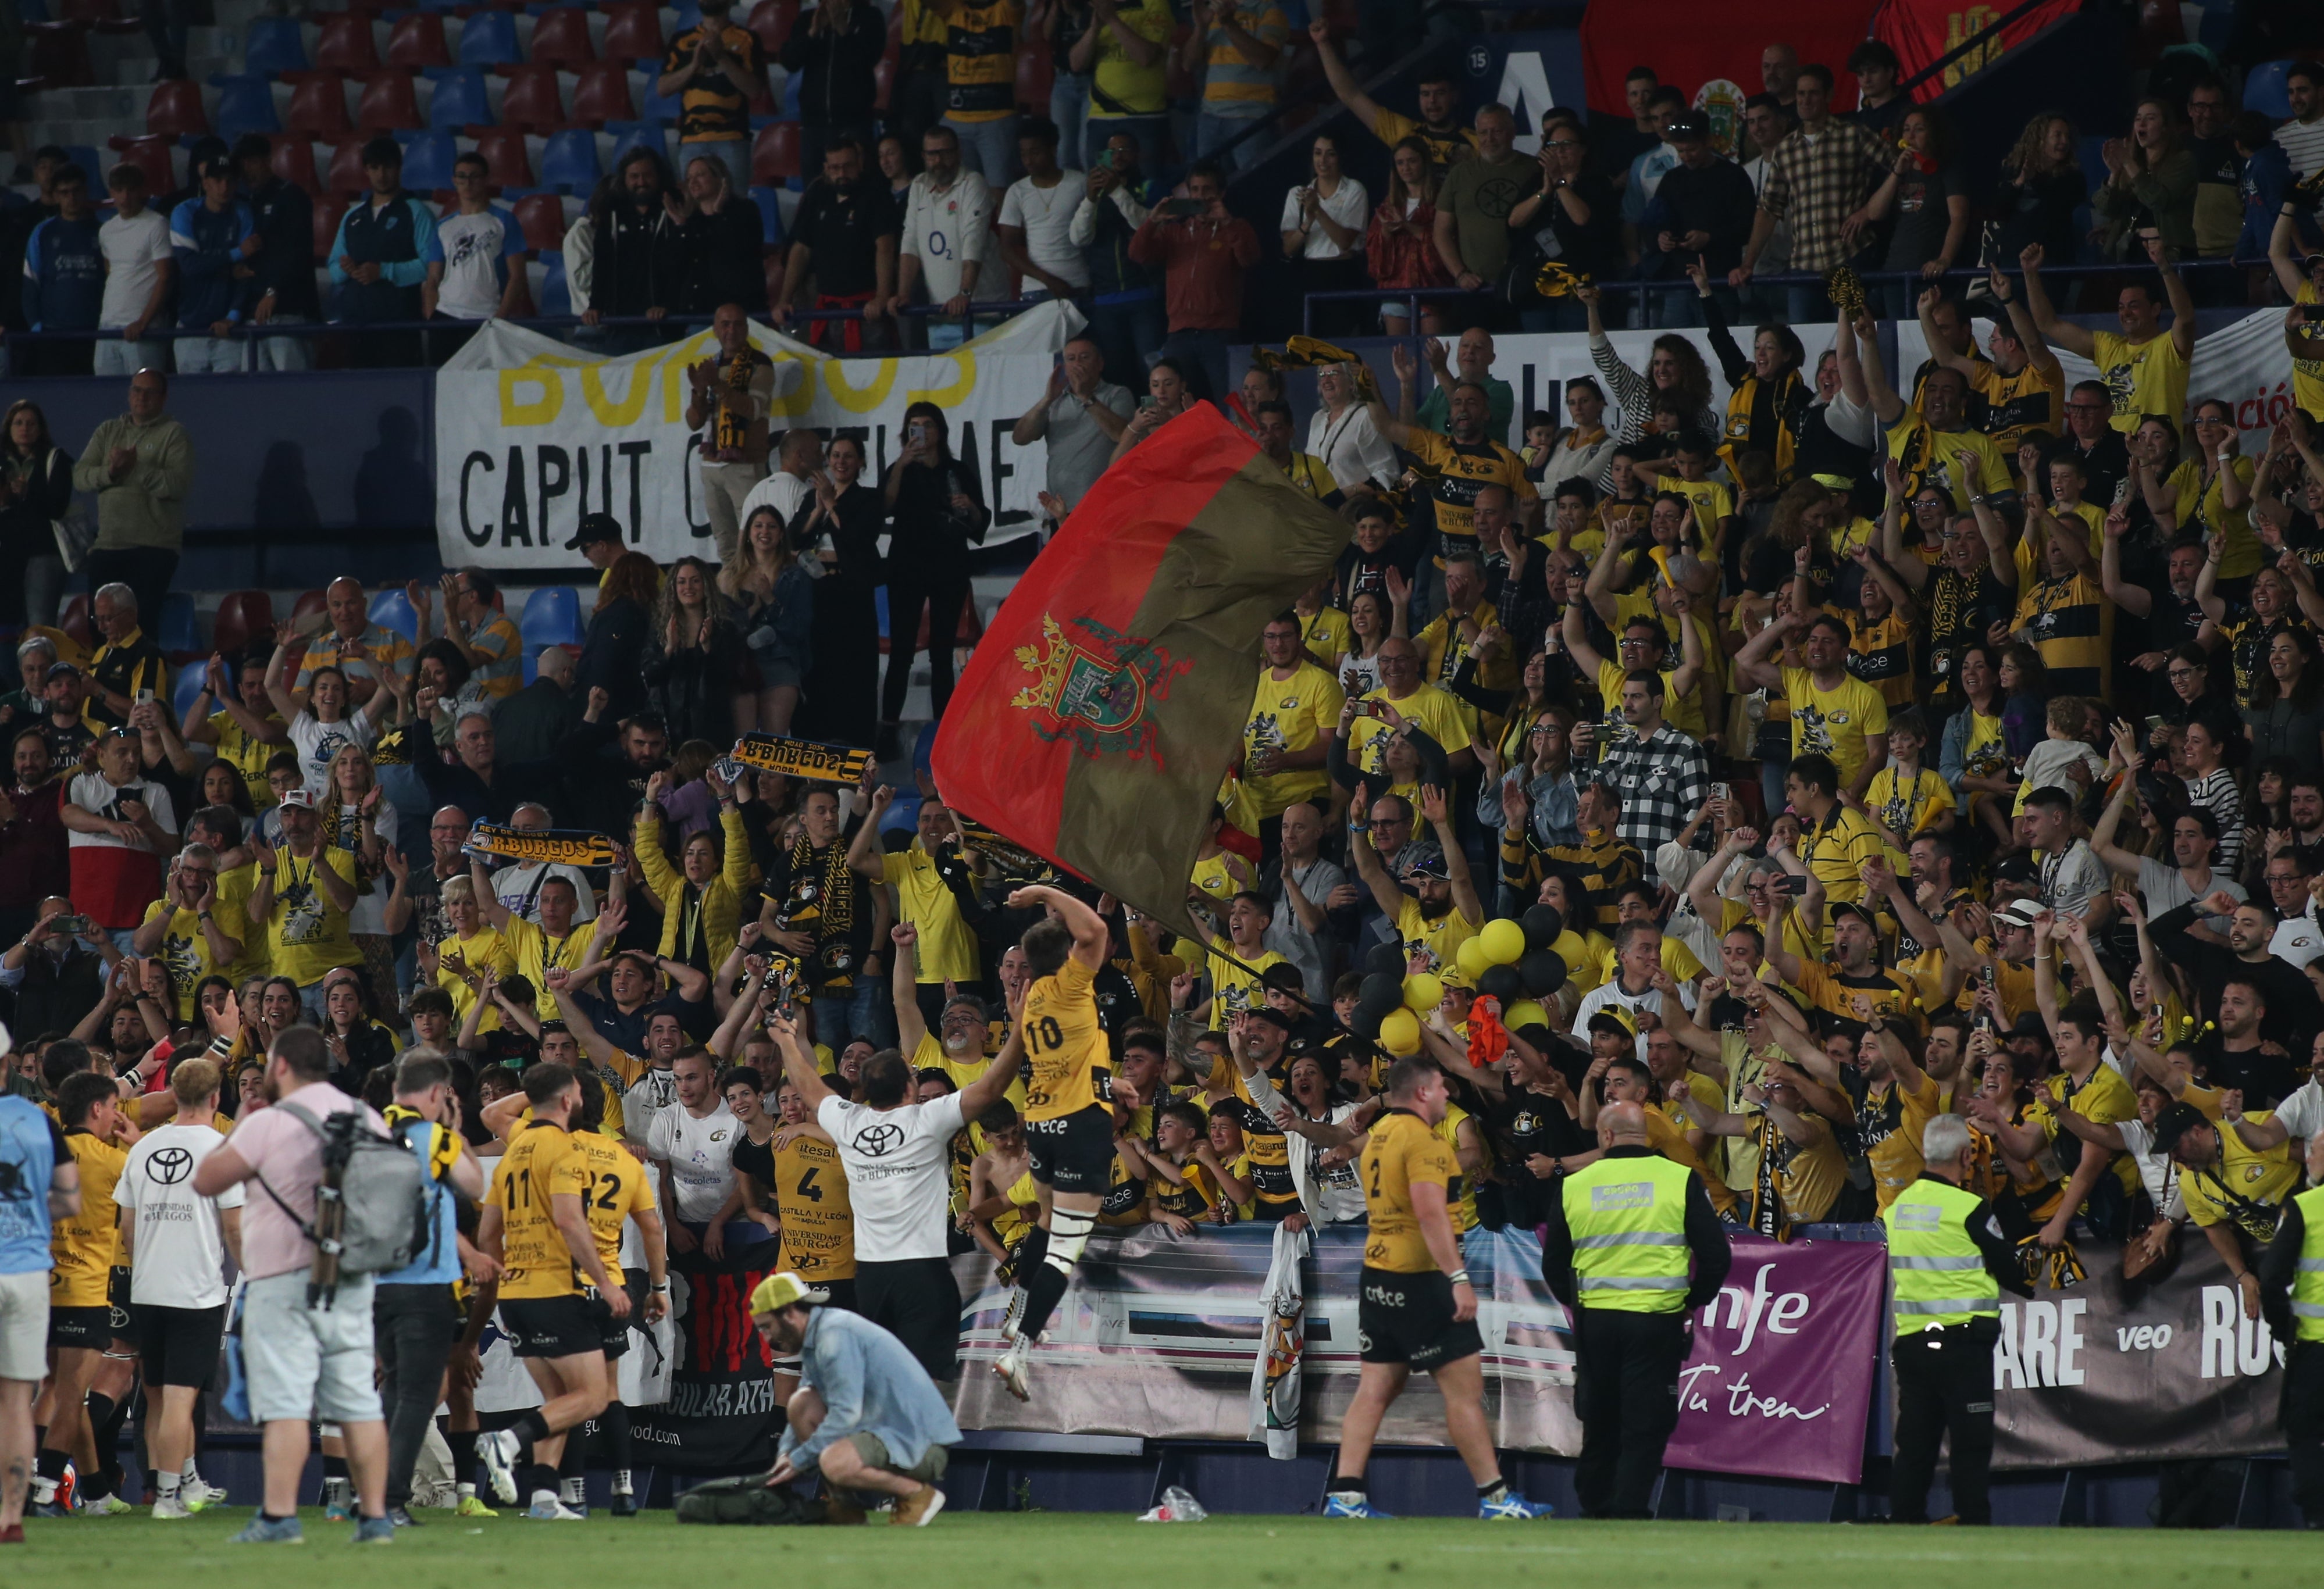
(178, 1252)
(1046, 217)
(134, 248)
(946, 230)
(898, 1164)
(700, 1154)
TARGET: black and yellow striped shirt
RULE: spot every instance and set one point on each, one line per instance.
(2072, 626)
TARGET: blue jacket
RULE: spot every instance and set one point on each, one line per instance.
(2267, 178)
(64, 275)
(396, 236)
(208, 244)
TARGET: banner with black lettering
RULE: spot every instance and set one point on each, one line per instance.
(719, 1415)
(2110, 1371)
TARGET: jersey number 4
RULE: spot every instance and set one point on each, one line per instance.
(806, 1187)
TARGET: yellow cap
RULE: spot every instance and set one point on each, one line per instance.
(781, 1290)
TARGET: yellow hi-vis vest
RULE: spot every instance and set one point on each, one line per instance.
(1629, 1220)
(1937, 1271)
(2307, 1285)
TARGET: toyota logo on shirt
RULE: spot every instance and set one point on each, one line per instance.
(877, 1142)
(168, 1166)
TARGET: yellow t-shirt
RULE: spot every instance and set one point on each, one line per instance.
(537, 955)
(1833, 722)
(486, 948)
(1908, 806)
(235, 888)
(1391, 128)
(1441, 649)
(1444, 718)
(1399, 1150)
(1836, 848)
(1327, 633)
(2093, 517)
(83, 1248)
(1678, 960)
(1233, 989)
(1116, 80)
(2307, 365)
(1067, 1048)
(1713, 503)
(1223, 875)
(1440, 939)
(2245, 1177)
(1890, 1128)
(307, 934)
(540, 1163)
(1464, 468)
(2141, 378)
(947, 948)
(811, 1200)
(185, 952)
(247, 756)
(2105, 1098)
(1925, 456)
(1295, 713)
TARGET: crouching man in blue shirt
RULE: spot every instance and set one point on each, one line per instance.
(866, 1414)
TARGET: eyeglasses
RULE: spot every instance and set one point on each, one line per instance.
(2184, 673)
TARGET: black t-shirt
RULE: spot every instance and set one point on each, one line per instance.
(757, 1161)
(1717, 199)
(1770, 565)
(841, 232)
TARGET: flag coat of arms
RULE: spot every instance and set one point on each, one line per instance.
(1107, 699)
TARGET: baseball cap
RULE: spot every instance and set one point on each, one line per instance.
(593, 528)
(1851, 908)
(1692, 124)
(216, 166)
(2014, 868)
(1614, 1020)
(63, 670)
(1452, 976)
(1424, 859)
(2030, 1024)
(781, 1290)
(2175, 1122)
(299, 798)
(2019, 913)
(1270, 1014)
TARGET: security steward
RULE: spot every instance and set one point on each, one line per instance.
(1947, 1262)
(2291, 1301)
(1631, 1247)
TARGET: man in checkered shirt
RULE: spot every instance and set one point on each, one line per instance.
(1661, 773)
(1821, 171)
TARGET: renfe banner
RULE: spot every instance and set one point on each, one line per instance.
(1922, 32)
(1162, 1333)
(2113, 1371)
(532, 434)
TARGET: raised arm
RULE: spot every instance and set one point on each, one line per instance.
(2053, 332)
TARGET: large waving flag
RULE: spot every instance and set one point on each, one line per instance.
(1107, 699)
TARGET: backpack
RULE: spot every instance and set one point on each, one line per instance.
(372, 1208)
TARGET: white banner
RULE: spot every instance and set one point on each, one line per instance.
(2244, 363)
(533, 433)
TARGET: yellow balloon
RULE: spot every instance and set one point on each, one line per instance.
(1523, 1014)
(1503, 942)
(1399, 1032)
(1422, 993)
(1474, 961)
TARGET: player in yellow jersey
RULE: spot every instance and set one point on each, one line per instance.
(535, 1226)
(80, 1322)
(1417, 1309)
(812, 1202)
(1068, 1111)
(618, 1189)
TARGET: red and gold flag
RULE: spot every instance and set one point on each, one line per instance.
(1107, 699)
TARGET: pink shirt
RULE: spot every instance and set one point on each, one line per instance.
(291, 1157)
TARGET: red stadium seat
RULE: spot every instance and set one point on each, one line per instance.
(543, 217)
(346, 172)
(88, 11)
(328, 208)
(505, 161)
(390, 103)
(345, 44)
(310, 603)
(603, 95)
(532, 102)
(772, 20)
(76, 623)
(418, 41)
(883, 81)
(57, 52)
(319, 107)
(241, 616)
(150, 155)
(561, 38)
(1035, 72)
(775, 154)
(176, 109)
(293, 161)
(633, 33)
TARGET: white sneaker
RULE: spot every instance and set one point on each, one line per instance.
(197, 1493)
(172, 1509)
(1011, 1369)
(499, 1453)
(547, 1508)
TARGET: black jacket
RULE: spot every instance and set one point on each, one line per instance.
(54, 995)
(602, 791)
(25, 522)
(723, 255)
(693, 687)
(931, 536)
(639, 259)
(1706, 1240)
(613, 657)
(835, 74)
(285, 219)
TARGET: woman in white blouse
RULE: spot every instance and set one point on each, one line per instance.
(1323, 229)
(1342, 434)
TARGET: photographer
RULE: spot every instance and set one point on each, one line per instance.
(58, 971)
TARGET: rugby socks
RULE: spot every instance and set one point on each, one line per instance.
(529, 1428)
(615, 1422)
(50, 1473)
(572, 1485)
(104, 1420)
(1494, 1493)
(1347, 1489)
(1069, 1233)
(165, 1485)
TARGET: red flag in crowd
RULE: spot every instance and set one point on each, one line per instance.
(1107, 699)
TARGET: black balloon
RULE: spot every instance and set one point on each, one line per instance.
(1504, 983)
(1542, 926)
(1385, 960)
(1381, 994)
(1366, 1024)
(1543, 971)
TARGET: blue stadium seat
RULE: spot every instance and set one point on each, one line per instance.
(245, 105)
(659, 107)
(770, 215)
(393, 608)
(551, 617)
(488, 37)
(274, 44)
(556, 292)
(690, 16)
(189, 685)
(628, 136)
(569, 161)
(460, 99)
(2264, 90)
(92, 162)
(177, 634)
(791, 81)
(427, 159)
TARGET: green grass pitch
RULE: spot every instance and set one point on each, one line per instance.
(1058, 1550)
